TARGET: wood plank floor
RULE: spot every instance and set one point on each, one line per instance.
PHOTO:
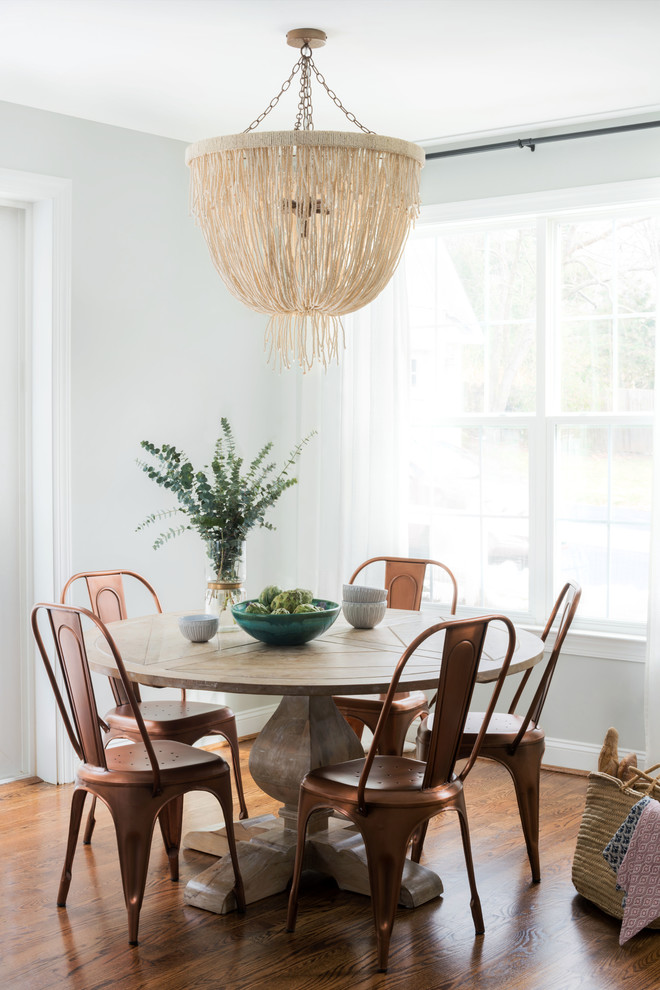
(542, 937)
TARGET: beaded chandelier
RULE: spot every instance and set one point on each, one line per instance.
(305, 225)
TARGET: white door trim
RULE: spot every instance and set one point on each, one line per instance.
(47, 544)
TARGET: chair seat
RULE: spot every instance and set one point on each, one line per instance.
(169, 716)
(501, 732)
(503, 729)
(128, 763)
(389, 777)
(403, 702)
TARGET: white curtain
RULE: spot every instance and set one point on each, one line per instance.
(353, 490)
(652, 692)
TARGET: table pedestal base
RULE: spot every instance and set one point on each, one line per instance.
(266, 853)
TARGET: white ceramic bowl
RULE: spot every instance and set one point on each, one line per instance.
(198, 628)
(359, 593)
(364, 615)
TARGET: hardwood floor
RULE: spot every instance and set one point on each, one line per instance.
(542, 937)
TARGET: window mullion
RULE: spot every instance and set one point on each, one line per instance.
(541, 460)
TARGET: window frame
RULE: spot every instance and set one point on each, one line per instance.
(590, 638)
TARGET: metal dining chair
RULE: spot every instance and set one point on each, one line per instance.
(140, 781)
(183, 721)
(517, 741)
(388, 798)
(404, 583)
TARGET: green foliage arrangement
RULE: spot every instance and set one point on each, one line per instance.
(225, 504)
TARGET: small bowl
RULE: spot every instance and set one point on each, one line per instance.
(364, 615)
(198, 628)
(293, 629)
(360, 593)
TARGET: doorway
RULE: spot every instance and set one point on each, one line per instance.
(15, 751)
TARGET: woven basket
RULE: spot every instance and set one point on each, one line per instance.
(608, 802)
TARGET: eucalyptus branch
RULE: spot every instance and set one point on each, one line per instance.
(221, 502)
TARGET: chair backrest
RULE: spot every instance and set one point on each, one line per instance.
(461, 654)
(79, 712)
(404, 580)
(106, 592)
(563, 612)
(108, 602)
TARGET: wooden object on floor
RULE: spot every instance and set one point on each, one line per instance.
(303, 733)
(306, 730)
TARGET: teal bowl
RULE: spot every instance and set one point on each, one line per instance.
(287, 630)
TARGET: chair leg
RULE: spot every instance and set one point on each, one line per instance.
(230, 734)
(91, 822)
(306, 806)
(356, 725)
(418, 842)
(134, 830)
(525, 768)
(385, 861)
(170, 820)
(396, 728)
(77, 803)
(475, 903)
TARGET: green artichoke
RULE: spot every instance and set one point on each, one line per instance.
(287, 599)
(256, 608)
(267, 595)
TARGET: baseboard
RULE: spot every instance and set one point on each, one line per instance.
(248, 724)
(560, 754)
(570, 755)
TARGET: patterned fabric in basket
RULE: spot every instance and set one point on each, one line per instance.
(639, 874)
(608, 803)
(616, 849)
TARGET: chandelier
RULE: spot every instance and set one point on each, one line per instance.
(305, 225)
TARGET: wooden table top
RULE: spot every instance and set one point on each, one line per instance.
(342, 661)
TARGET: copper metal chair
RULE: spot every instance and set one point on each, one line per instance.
(518, 741)
(404, 581)
(182, 721)
(388, 798)
(138, 781)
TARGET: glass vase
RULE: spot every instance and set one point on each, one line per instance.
(225, 582)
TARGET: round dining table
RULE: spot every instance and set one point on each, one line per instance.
(306, 731)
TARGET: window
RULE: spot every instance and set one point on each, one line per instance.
(531, 406)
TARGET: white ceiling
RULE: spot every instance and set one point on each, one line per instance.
(417, 69)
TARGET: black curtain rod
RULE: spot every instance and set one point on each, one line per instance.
(532, 142)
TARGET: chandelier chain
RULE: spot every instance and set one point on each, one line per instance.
(304, 116)
(335, 99)
(276, 99)
(306, 65)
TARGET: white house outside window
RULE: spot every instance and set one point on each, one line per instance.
(532, 349)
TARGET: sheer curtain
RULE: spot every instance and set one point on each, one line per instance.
(652, 692)
(353, 491)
